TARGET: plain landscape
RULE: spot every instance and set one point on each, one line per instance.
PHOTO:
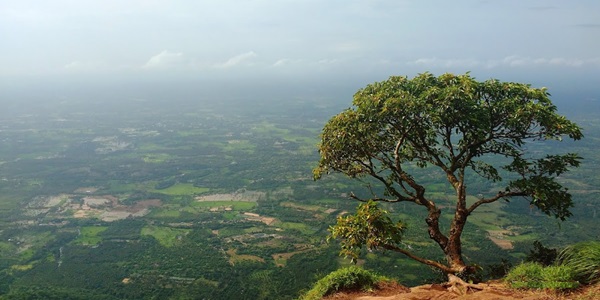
(186, 199)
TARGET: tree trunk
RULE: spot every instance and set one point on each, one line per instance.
(453, 249)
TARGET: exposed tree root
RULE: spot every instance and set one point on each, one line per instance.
(461, 287)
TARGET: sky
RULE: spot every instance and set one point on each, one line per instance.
(337, 44)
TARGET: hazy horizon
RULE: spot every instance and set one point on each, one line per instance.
(287, 50)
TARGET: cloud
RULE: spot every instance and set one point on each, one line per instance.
(237, 60)
(288, 62)
(448, 63)
(509, 61)
(282, 62)
(516, 61)
(165, 59)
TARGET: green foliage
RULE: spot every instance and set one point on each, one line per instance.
(41, 254)
(370, 227)
(166, 236)
(535, 276)
(541, 254)
(498, 270)
(90, 235)
(350, 278)
(454, 123)
(53, 293)
(584, 259)
(455, 128)
(181, 189)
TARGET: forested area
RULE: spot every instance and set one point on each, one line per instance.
(147, 200)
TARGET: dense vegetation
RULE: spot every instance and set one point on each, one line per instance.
(576, 264)
(133, 200)
(344, 279)
(458, 129)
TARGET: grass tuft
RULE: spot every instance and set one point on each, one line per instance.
(351, 278)
(584, 259)
(535, 276)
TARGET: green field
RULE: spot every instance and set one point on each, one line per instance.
(182, 189)
(129, 223)
(89, 235)
(166, 236)
(235, 205)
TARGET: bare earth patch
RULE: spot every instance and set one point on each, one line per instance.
(237, 196)
(139, 209)
(85, 190)
(497, 236)
(109, 216)
(234, 257)
(56, 200)
(256, 217)
(97, 201)
(495, 290)
(281, 258)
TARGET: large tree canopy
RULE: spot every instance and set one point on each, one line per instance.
(454, 124)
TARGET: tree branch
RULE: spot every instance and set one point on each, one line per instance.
(377, 199)
(498, 196)
(429, 262)
(388, 185)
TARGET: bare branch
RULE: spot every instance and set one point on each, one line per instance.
(429, 262)
(497, 197)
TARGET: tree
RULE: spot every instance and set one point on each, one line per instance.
(450, 124)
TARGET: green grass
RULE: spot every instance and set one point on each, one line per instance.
(584, 259)
(313, 208)
(236, 205)
(230, 215)
(265, 128)
(181, 189)
(89, 235)
(230, 231)
(116, 187)
(523, 237)
(156, 158)
(8, 202)
(329, 201)
(239, 145)
(165, 213)
(22, 267)
(253, 230)
(536, 276)
(166, 236)
(346, 279)
(303, 228)
(191, 133)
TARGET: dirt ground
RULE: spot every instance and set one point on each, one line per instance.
(494, 290)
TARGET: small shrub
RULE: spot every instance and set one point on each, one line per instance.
(350, 278)
(541, 254)
(558, 278)
(498, 270)
(535, 276)
(526, 275)
(584, 259)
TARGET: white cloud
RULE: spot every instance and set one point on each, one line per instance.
(328, 61)
(285, 62)
(237, 60)
(165, 59)
(448, 63)
(282, 62)
(510, 61)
